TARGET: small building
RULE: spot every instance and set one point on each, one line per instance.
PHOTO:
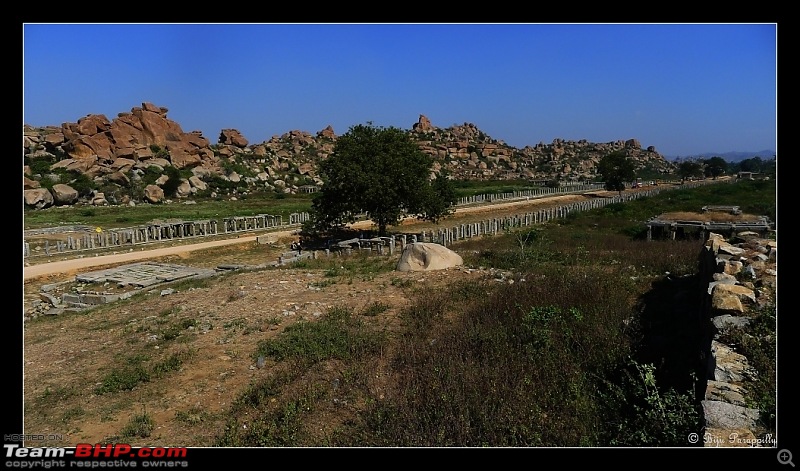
(307, 189)
(746, 175)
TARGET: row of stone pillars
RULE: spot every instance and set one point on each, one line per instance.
(164, 231)
(536, 193)
(249, 223)
(496, 225)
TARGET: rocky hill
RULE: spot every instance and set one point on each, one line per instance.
(136, 156)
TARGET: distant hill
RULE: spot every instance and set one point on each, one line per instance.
(730, 156)
(121, 157)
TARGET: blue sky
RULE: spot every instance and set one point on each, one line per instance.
(685, 89)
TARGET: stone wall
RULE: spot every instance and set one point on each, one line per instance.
(740, 278)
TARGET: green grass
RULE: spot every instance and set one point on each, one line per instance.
(374, 308)
(139, 369)
(566, 355)
(140, 425)
(338, 335)
(172, 363)
(583, 349)
(55, 395)
(122, 379)
(264, 415)
(359, 265)
(482, 187)
(109, 217)
(193, 416)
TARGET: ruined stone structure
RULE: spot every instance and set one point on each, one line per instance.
(739, 275)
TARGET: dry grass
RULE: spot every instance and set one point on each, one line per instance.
(709, 216)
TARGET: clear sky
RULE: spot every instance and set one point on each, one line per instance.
(686, 89)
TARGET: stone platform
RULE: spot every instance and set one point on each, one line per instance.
(143, 274)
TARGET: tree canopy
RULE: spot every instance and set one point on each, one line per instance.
(616, 169)
(690, 169)
(382, 172)
(714, 167)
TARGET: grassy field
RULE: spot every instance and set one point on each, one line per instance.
(561, 353)
(109, 217)
(569, 338)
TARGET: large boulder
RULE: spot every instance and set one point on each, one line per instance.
(64, 194)
(153, 194)
(38, 198)
(422, 256)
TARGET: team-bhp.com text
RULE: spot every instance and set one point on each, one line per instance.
(97, 456)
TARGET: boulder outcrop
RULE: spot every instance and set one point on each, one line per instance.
(144, 140)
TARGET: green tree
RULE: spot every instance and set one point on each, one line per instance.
(170, 187)
(752, 164)
(82, 183)
(690, 169)
(379, 171)
(715, 166)
(616, 169)
(440, 199)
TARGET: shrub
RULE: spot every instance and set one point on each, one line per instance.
(41, 166)
(82, 184)
(140, 425)
(337, 335)
(170, 187)
(123, 379)
(640, 413)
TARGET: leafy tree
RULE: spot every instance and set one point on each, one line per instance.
(40, 166)
(382, 172)
(690, 169)
(151, 174)
(440, 199)
(553, 183)
(170, 187)
(616, 169)
(159, 152)
(82, 184)
(715, 166)
(753, 164)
